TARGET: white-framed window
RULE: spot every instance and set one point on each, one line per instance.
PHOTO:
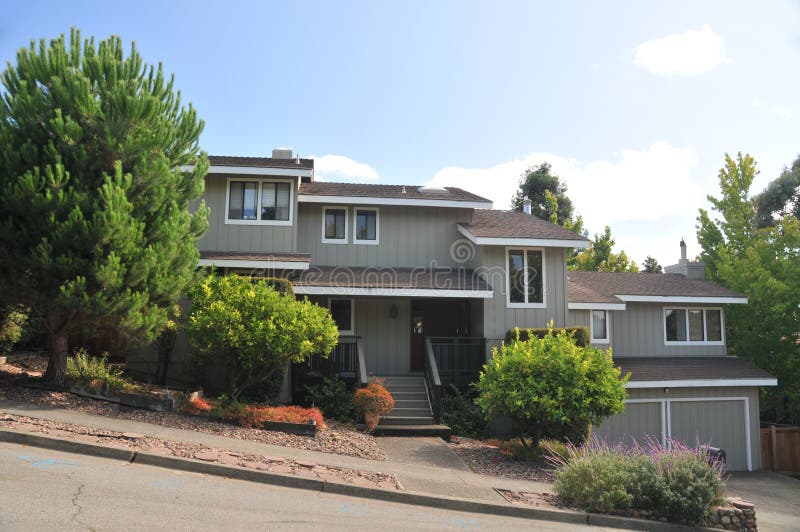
(334, 225)
(366, 229)
(525, 278)
(343, 313)
(693, 325)
(598, 323)
(258, 201)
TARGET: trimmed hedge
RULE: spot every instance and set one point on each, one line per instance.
(581, 334)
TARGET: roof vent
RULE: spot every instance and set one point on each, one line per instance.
(432, 190)
(282, 153)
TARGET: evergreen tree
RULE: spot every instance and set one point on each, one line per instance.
(95, 225)
(600, 257)
(536, 182)
(780, 198)
(651, 265)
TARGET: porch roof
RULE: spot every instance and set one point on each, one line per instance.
(387, 281)
(271, 261)
(687, 371)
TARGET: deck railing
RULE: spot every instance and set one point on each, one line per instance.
(345, 361)
(459, 360)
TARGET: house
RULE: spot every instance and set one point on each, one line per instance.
(423, 282)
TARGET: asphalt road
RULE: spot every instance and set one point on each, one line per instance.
(48, 490)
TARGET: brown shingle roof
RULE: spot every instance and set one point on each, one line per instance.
(689, 368)
(392, 278)
(490, 223)
(321, 188)
(259, 162)
(609, 284)
(240, 255)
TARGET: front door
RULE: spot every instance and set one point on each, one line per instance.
(432, 318)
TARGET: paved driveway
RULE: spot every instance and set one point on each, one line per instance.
(777, 498)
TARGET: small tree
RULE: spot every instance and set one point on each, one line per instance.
(651, 265)
(95, 225)
(255, 330)
(549, 385)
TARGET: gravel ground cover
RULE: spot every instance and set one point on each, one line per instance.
(486, 459)
(139, 442)
(338, 438)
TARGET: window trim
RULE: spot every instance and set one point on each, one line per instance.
(594, 340)
(377, 226)
(343, 240)
(259, 221)
(525, 249)
(721, 341)
(352, 301)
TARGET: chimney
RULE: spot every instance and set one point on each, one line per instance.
(690, 270)
(282, 153)
(526, 205)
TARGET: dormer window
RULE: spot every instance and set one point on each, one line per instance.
(258, 202)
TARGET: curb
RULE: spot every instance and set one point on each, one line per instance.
(291, 481)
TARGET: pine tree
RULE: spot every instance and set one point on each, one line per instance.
(95, 224)
(651, 265)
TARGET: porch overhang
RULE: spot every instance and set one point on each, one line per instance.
(392, 282)
(266, 261)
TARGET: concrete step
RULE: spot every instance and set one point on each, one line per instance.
(410, 396)
(410, 412)
(405, 420)
(442, 431)
(408, 403)
(411, 388)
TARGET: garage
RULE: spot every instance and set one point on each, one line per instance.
(696, 400)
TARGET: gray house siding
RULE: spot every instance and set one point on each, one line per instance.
(714, 416)
(408, 237)
(578, 318)
(639, 331)
(498, 318)
(233, 237)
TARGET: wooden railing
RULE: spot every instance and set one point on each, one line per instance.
(433, 383)
(459, 360)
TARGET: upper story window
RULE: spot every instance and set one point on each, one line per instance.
(693, 325)
(334, 225)
(259, 201)
(599, 327)
(525, 278)
(365, 230)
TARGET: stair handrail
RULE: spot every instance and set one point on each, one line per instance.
(433, 382)
(362, 364)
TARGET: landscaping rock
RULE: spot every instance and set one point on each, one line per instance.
(209, 456)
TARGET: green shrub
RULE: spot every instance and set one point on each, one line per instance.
(255, 329)
(334, 397)
(547, 385)
(94, 372)
(676, 482)
(463, 416)
(12, 326)
(581, 335)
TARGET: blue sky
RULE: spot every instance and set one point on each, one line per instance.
(634, 103)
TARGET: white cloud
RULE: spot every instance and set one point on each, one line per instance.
(644, 185)
(779, 111)
(682, 54)
(341, 168)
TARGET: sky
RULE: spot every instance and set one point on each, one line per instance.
(634, 104)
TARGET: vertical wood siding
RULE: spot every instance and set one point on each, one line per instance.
(639, 422)
(638, 331)
(231, 237)
(408, 237)
(498, 318)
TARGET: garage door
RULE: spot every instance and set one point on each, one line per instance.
(719, 422)
(640, 422)
(716, 423)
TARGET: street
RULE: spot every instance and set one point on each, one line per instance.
(48, 490)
